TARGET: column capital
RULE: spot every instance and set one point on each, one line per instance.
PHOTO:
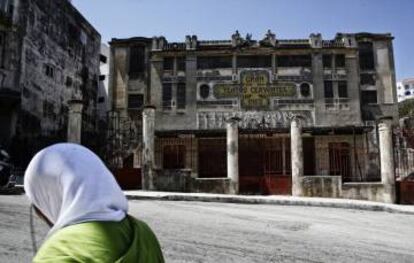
(150, 106)
(383, 119)
(233, 120)
(75, 105)
(75, 101)
(297, 119)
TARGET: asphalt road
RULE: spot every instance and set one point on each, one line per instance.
(217, 232)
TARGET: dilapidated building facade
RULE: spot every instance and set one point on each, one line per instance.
(49, 54)
(268, 116)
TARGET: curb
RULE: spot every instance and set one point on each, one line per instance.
(276, 200)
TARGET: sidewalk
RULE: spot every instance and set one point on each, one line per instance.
(271, 200)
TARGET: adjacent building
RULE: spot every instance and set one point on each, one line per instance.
(49, 54)
(405, 89)
(103, 89)
(266, 116)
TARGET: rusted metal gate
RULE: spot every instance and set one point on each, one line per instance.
(277, 167)
(264, 165)
(340, 159)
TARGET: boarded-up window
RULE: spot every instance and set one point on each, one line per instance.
(342, 89)
(366, 56)
(135, 101)
(173, 157)
(166, 96)
(137, 62)
(212, 62)
(328, 89)
(181, 96)
(254, 61)
(295, 61)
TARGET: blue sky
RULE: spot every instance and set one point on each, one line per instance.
(218, 19)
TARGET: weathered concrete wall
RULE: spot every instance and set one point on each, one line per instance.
(54, 57)
(173, 180)
(212, 185)
(322, 186)
(363, 191)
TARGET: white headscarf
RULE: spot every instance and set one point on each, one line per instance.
(69, 184)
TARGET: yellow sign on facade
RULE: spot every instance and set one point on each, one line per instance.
(255, 90)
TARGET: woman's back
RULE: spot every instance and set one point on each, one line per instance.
(127, 241)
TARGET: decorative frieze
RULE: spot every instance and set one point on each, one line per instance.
(252, 119)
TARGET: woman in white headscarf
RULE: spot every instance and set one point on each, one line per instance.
(74, 192)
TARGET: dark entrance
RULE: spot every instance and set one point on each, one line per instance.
(264, 166)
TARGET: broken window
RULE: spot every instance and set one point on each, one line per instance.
(135, 101)
(102, 77)
(103, 59)
(101, 99)
(327, 61)
(342, 89)
(69, 81)
(168, 63)
(368, 79)
(137, 62)
(366, 56)
(295, 61)
(181, 63)
(173, 157)
(166, 96)
(213, 62)
(254, 61)
(48, 109)
(340, 61)
(49, 71)
(181, 98)
(328, 89)
(305, 90)
(204, 91)
(369, 97)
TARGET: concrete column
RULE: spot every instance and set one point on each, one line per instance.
(233, 154)
(296, 155)
(75, 121)
(148, 149)
(387, 158)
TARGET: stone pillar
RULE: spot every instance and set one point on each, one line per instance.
(233, 154)
(296, 155)
(148, 149)
(75, 121)
(387, 159)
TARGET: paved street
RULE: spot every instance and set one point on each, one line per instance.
(217, 232)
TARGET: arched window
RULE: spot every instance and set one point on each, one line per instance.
(204, 91)
(305, 90)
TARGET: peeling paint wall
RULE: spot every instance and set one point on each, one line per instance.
(56, 59)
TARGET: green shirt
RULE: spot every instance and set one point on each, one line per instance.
(130, 240)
